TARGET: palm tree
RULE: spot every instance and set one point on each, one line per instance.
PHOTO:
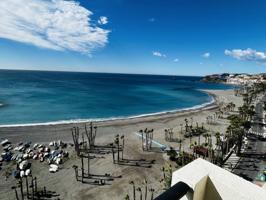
(140, 193)
(241, 112)
(251, 112)
(123, 143)
(219, 144)
(218, 139)
(205, 135)
(228, 136)
(134, 189)
(166, 134)
(27, 186)
(214, 117)
(233, 106)
(180, 144)
(238, 125)
(117, 143)
(163, 170)
(186, 126)
(127, 197)
(16, 192)
(152, 191)
(171, 133)
(181, 126)
(239, 133)
(246, 125)
(146, 189)
(167, 175)
(199, 140)
(21, 188)
(207, 119)
(210, 146)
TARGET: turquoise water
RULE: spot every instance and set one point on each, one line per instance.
(38, 97)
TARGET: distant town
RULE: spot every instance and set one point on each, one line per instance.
(237, 79)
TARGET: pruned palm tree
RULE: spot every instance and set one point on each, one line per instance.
(186, 126)
(181, 130)
(151, 191)
(146, 189)
(140, 193)
(127, 197)
(180, 144)
(134, 189)
(205, 135)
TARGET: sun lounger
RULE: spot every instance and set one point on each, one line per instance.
(53, 168)
(27, 172)
(23, 165)
(5, 142)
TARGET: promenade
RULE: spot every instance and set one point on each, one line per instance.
(252, 162)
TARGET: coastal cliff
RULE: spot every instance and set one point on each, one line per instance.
(216, 78)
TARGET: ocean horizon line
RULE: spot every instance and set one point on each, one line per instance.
(97, 72)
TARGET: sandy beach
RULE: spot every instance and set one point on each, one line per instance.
(64, 183)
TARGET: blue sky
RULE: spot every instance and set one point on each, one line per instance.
(183, 37)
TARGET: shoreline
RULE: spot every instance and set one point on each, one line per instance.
(126, 126)
(205, 106)
(106, 133)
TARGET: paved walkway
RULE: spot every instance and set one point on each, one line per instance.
(252, 164)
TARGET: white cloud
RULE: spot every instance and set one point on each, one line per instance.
(103, 20)
(176, 60)
(247, 54)
(159, 54)
(53, 24)
(206, 55)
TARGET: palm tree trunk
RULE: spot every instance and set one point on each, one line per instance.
(88, 164)
(118, 150)
(145, 195)
(27, 187)
(76, 172)
(134, 192)
(142, 141)
(199, 140)
(32, 188)
(152, 195)
(35, 180)
(123, 143)
(16, 192)
(21, 188)
(82, 169)
(113, 154)
(227, 145)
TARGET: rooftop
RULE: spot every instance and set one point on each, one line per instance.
(207, 179)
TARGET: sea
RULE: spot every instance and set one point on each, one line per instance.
(44, 97)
